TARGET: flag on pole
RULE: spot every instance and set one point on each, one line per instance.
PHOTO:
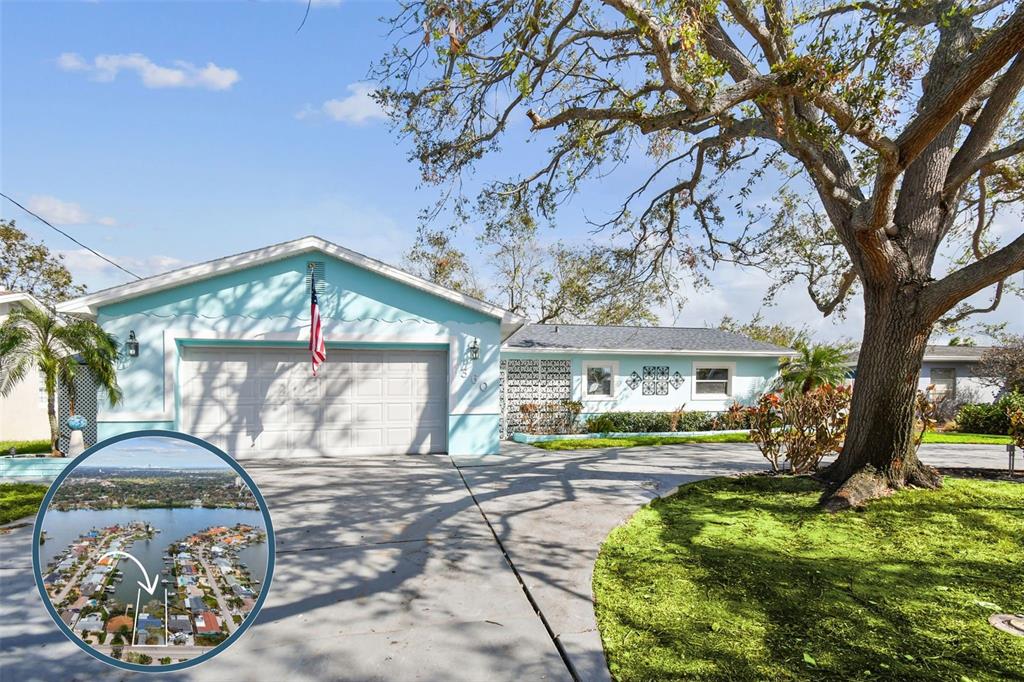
(317, 347)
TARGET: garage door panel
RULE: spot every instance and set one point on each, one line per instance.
(263, 402)
(369, 388)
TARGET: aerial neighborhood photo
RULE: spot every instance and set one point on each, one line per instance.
(153, 551)
(486, 341)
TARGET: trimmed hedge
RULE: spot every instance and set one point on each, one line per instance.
(650, 422)
(24, 447)
(990, 418)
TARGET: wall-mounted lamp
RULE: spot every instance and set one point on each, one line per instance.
(473, 351)
(132, 345)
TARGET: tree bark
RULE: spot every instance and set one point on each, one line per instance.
(879, 454)
(51, 413)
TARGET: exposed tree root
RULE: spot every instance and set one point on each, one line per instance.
(868, 483)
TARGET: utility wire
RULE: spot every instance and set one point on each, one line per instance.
(46, 222)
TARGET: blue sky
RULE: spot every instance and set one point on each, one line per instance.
(168, 133)
(155, 452)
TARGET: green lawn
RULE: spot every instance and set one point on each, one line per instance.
(746, 579)
(965, 438)
(18, 500)
(634, 441)
(24, 447)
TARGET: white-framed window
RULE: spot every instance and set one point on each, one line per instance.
(944, 380)
(712, 380)
(599, 379)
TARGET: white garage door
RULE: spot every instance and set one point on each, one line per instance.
(264, 402)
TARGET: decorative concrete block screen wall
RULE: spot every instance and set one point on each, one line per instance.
(85, 405)
(531, 381)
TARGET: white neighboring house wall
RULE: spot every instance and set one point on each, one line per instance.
(23, 411)
(959, 375)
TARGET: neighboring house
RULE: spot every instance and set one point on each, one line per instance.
(207, 623)
(633, 369)
(23, 411)
(953, 371)
(412, 367)
(91, 623)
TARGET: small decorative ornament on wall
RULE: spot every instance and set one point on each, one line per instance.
(676, 381)
(633, 381)
(655, 380)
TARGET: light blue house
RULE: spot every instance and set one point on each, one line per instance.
(219, 350)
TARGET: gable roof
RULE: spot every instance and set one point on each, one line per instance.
(88, 304)
(583, 338)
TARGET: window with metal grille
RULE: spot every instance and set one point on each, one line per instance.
(316, 267)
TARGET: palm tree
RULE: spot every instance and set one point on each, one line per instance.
(33, 337)
(816, 365)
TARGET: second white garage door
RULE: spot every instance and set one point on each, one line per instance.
(264, 402)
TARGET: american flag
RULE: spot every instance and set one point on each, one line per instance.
(317, 347)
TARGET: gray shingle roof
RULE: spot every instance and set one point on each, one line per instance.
(944, 353)
(569, 337)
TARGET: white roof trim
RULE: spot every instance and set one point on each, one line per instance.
(21, 297)
(643, 351)
(88, 304)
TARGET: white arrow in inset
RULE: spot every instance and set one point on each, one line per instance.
(148, 586)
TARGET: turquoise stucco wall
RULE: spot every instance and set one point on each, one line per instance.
(751, 377)
(473, 434)
(250, 306)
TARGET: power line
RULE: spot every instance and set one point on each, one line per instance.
(46, 222)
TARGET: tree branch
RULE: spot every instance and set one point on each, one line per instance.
(1000, 47)
(986, 127)
(940, 297)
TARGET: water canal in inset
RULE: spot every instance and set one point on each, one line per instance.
(63, 528)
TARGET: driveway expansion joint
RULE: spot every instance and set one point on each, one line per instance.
(522, 584)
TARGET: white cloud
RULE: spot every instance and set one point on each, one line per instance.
(95, 273)
(357, 107)
(180, 74)
(62, 212)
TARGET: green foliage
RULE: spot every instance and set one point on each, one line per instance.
(776, 333)
(639, 441)
(18, 500)
(992, 418)
(33, 339)
(28, 266)
(766, 421)
(816, 365)
(24, 447)
(651, 422)
(745, 579)
(435, 257)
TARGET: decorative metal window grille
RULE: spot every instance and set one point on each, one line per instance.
(316, 267)
(531, 381)
(633, 381)
(676, 381)
(655, 380)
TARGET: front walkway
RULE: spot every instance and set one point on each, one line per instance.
(388, 571)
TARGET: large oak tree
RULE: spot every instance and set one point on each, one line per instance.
(893, 130)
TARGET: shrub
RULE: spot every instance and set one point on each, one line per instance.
(814, 424)
(990, 418)
(735, 417)
(552, 417)
(1016, 416)
(651, 422)
(765, 422)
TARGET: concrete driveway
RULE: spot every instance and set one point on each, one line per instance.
(396, 569)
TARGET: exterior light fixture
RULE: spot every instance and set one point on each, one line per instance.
(473, 351)
(132, 345)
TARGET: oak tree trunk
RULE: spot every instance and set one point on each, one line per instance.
(879, 455)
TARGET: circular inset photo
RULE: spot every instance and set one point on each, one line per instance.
(153, 551)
